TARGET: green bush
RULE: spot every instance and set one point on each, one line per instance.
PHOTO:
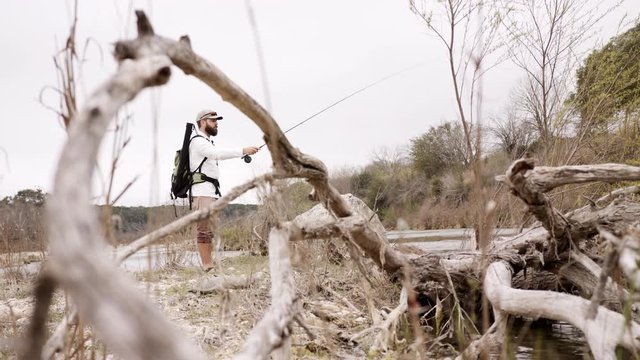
(439, 149)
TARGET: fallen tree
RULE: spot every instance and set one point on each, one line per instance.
(548, 271)
(556, 265)
(522, 272)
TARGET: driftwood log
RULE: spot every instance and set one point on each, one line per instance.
(552, 271)
(525, 274)
(548, 271)
(116, 311)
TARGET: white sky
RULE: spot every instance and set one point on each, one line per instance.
(316, 52)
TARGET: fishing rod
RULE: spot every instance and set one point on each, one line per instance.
(248, 159)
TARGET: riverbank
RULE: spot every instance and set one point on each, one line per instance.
(219, 322)
(336, 304)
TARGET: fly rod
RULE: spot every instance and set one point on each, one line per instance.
(248, 159)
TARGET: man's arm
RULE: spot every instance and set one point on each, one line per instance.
(203, 147)
(250, 150)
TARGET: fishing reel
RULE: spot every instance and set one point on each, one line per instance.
(247, 158)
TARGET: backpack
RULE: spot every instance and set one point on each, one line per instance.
(182, 177)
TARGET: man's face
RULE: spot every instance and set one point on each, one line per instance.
(211, 127)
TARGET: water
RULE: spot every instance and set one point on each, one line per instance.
(537, 340)
(143, 260)
(548, 340)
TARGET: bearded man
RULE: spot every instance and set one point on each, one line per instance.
(203, 162)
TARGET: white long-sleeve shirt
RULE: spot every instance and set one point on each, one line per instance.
(201, 147)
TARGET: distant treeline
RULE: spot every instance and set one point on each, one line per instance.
(23, 227)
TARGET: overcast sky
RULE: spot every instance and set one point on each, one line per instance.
(315, 52)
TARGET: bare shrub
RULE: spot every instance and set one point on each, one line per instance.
(442, 215)
(238, 234)
(547, 38)
(451, 198)
(514, 134)
(21, 222)
(294, 193)
(345, 180)
(389, 185)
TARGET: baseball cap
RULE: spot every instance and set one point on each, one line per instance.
(208, 114)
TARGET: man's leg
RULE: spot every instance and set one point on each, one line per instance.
(204, 249)
(204, 233)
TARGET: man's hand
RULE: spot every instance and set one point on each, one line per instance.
(250, 150)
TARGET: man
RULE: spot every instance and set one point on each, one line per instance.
(204, 193)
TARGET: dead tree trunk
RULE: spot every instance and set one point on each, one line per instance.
(103, 297)
(106, 300)
(525, 270)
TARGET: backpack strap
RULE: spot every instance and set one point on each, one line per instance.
(215, 183)
(199, 168)
(199, 178)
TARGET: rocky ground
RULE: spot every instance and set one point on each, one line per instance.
(337, 303)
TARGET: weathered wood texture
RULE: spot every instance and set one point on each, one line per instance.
(105, 297)
(135, 330)
(606, 331)
(549, 257)
(274, 329)
(363, 227)
(128, 325)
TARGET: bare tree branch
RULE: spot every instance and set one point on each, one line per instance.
(275, 326)
(628, 247)
(115, 309)
(147, 49)
(538, 203)
(610, 260)
(56, 341)
(36, 335)
(548, 178)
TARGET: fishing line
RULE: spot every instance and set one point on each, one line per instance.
(247, 158)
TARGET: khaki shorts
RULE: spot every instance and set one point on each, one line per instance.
(204, 227)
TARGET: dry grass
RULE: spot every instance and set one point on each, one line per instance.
(218, 323)
(338, 300)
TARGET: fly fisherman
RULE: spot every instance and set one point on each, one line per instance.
(203, 159)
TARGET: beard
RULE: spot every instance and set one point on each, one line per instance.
(212, 131)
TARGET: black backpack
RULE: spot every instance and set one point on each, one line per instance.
(182, 177)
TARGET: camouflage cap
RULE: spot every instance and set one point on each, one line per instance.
(208, 114)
